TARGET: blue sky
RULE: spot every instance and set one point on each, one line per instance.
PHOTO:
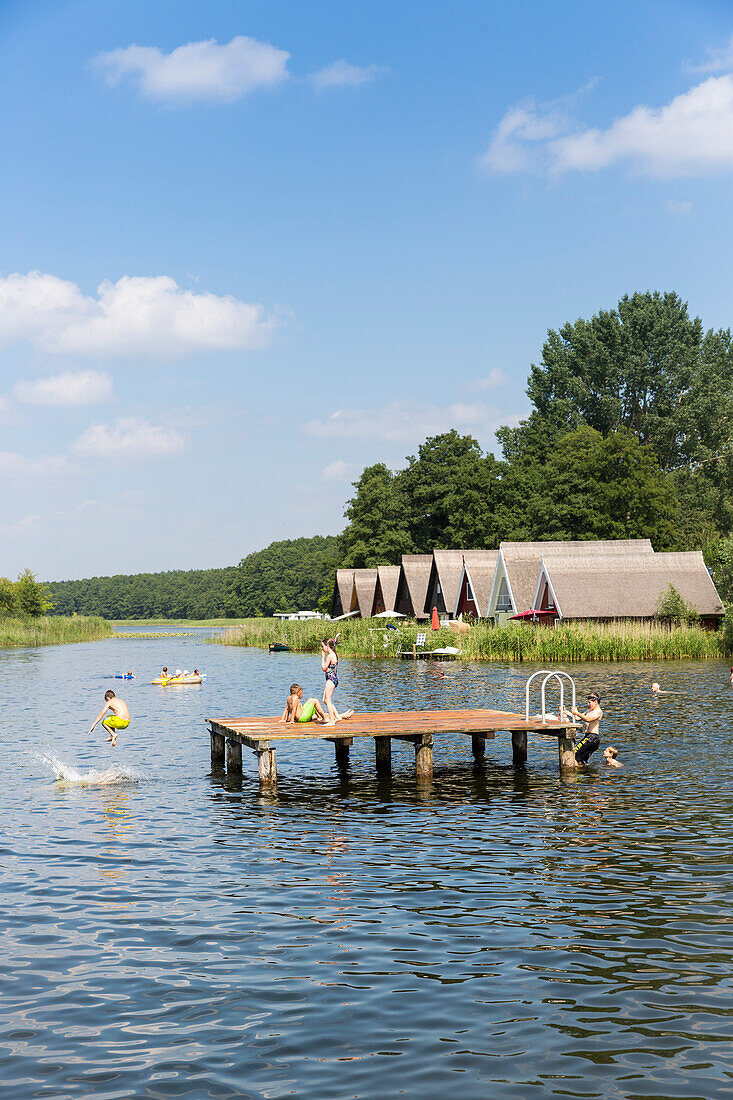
(247, 248)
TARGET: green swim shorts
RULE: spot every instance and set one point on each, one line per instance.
(115, 723)
(308, 712)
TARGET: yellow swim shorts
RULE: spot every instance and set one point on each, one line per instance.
(115, 723)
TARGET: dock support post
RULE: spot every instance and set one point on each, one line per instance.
(424, 756)
(478, 746)
(566, 752)
(342, 746)
(383, 754)
(234, 757)
(519, 748)
(217, 751)
(267, 765)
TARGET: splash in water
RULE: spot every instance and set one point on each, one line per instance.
(94, 777)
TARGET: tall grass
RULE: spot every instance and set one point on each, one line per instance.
(53, 630)
(617, 641)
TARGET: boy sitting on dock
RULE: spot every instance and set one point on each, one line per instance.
(119, 719)
(298, 711)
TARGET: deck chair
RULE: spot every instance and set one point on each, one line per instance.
(419, 641)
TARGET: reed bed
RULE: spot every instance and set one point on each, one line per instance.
(53, 630)
(616, 641)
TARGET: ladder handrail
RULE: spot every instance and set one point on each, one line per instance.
(548, 675)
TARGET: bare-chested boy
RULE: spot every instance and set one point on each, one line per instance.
(297, 711)
(119, 719)
(591, 739)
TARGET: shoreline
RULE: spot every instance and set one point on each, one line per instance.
(53, 630)
(620, 641)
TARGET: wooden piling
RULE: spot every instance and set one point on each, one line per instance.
(424, 756)
(234, 757)
(217, 752)
(383, 754)
(342, 746)
(267, 765)
(566, 752)
(519, 748)
(478, 746)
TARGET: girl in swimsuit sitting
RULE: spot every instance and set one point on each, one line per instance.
(329, 664)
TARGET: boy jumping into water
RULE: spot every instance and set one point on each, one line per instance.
(119, 719)
(591, 739)
(297, 711)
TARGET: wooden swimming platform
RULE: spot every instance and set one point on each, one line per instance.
(420, 727)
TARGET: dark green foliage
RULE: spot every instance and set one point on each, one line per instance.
(293, 575)
(26, 598)
(450, 490)
(595, 488)
(632, 367)
(378, 532)
(673, 610)
(179, 594)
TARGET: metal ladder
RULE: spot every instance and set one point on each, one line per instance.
(548, 675)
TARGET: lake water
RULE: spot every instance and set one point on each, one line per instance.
(495, 933)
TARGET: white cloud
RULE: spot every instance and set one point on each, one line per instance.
(719, 60)
(198, 70)
(672, 206)
(336, 471)
(691, 136)
(85, 387)
(15, 465)
(22, 526)
(400, 421)
(493, 380)
(512, 148)
(129, 437)
(342, 73)
(137, 315)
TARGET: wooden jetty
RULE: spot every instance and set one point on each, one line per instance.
(262, 735)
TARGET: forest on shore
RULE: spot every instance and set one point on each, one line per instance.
(630, 435)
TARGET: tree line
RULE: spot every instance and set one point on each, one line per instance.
(630, 435)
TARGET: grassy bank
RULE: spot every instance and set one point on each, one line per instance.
(53, 630)
(180, 622)
(619, 641)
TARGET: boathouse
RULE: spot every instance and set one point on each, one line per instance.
(477, 578)
(385, 592)
(365, 584)
(446, 575)
(625, 586)
(518, 567)
(412, 588)
(344, 596)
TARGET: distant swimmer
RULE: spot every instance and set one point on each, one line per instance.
(610, 755)
(119, 719)
(731, 677)
(591, 739)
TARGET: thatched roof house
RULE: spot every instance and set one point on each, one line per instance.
(344, 596)
(413, 585)
(446, 575)
(385, 593)
(519, 563)
(477, 577)
(625, 586)
(365, 584)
